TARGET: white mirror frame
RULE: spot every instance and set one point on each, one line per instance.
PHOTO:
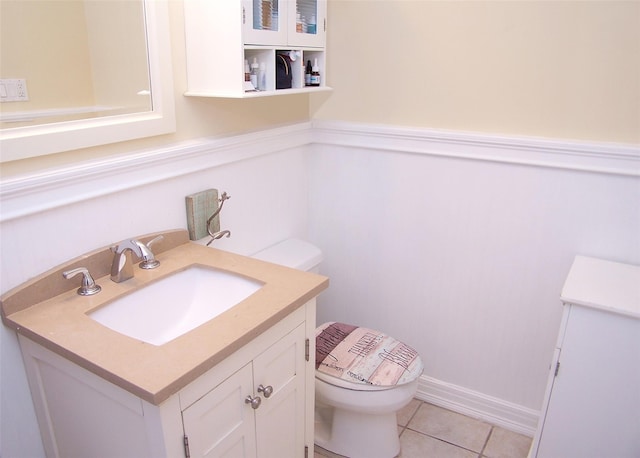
(25, 142)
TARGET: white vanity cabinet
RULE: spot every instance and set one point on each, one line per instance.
(82, 414)
(592, 403)
(260, 407)
(221, 35)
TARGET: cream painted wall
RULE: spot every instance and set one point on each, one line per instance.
(532, 68)
(196, 117)
(26, 28)
(74, 53)
(562, 69)
(118, 53)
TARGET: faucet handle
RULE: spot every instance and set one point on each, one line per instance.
(155, 240)
(89, 287)
(148, 260)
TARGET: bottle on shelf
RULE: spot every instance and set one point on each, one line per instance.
(262, 77)
(311, 26)
(298, 22)
(315, 74)
(254, 72)
(307, 74)
(247, 71)
(267, 15)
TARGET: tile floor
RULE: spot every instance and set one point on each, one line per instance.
(427, 431)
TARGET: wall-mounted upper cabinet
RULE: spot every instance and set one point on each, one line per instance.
(254, 48)
(284, 22)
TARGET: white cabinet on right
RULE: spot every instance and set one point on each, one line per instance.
(592, 403)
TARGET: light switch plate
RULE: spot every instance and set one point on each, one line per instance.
(200, 206)
(13, 90)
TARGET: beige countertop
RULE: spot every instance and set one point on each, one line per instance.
(151, 372)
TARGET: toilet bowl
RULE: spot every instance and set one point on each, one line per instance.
(363, 376)
(360, 424)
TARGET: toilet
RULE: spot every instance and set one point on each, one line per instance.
(363, 376)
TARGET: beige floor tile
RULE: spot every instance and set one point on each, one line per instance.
(432, 432)
(415, 445)
(507, 444)
(450, 427)
(405, 414)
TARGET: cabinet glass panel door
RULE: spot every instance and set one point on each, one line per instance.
(306, 16)
(265, 22)
(265, 15)
(306, 22)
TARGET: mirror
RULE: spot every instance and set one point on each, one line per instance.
(96, 72)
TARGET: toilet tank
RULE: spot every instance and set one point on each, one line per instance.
(294, 253)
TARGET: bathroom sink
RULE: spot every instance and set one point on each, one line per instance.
(176, 304)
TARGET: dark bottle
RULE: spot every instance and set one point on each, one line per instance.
(315, 74)
(307, 74)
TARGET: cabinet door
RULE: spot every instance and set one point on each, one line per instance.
(306, 23)
(280, 420)
(221, 424)
(284, 22)
(594, 408)
(264, 22)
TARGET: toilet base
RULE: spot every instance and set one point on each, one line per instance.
(355, 435)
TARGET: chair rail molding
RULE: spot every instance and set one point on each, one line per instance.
(607, 158)
(27, 194)
(49, 189)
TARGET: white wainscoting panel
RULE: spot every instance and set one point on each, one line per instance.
(361, 208)
(29, 194)
(458, 243)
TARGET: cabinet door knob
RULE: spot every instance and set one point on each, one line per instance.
(266, 390)
(255, 402)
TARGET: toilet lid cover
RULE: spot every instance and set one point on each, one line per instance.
(365, 356)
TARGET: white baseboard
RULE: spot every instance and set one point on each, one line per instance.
(477, 405)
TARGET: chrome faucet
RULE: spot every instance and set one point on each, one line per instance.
(122, 270)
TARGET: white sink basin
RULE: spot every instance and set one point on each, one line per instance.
(176, 304)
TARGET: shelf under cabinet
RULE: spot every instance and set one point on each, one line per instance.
(253, 94)
(226, 81)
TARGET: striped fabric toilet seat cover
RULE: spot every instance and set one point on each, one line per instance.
(365, 356)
